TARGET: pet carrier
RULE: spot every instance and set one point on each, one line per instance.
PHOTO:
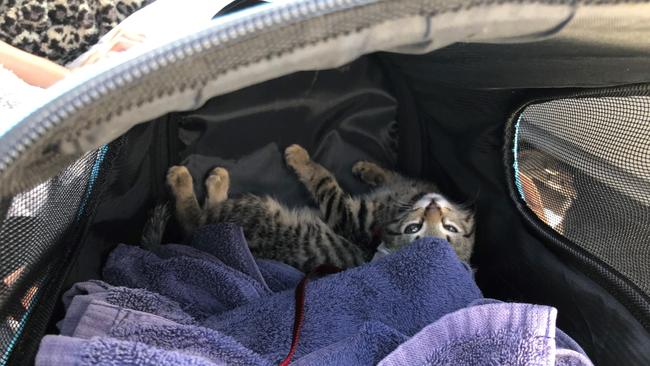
(537, 110)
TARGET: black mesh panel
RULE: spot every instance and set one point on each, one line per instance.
(582, 166)
(35, 240)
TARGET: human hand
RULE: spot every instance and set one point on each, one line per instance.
(116, 41)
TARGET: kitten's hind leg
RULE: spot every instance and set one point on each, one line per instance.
(188, 212)
(216, 186)
(372, 173)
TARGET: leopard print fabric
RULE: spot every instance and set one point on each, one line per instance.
(61, 30)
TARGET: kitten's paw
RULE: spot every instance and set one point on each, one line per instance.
(217, 176)
(179, 179)
(370, 173)
(217, 185)
(296, 156)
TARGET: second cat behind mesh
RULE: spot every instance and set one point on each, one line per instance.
(343, 230)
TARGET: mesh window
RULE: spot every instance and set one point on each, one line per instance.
(582, 166)
(35, 240)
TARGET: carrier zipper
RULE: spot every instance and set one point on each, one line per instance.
(18, 140)
(231, 29)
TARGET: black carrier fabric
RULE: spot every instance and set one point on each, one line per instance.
(559, 176)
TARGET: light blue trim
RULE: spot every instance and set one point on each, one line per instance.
(94, 173)
(4, 360)
(515, 163)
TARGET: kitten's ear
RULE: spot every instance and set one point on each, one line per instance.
(471, 206)
(471, 214)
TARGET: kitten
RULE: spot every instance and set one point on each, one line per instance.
(343, 230)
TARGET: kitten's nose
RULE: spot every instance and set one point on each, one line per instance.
(433, 205)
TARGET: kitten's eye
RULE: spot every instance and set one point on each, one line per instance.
(412, 228)
(450, 228)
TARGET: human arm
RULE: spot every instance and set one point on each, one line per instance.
(32, 69)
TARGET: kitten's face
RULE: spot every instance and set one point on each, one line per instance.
(433, 216)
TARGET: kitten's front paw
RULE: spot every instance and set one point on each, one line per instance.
(179, 179)
(296, 156)
(368, 172)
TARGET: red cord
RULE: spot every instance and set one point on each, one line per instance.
(299, 314)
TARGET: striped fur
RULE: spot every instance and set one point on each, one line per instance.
(341, 230)
(154, 228)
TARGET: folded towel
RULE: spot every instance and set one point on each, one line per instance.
(562, 340)
(88, 318)
(279, 276)
(189, 276)
(227, 243)
(60, 350)
(501, 334)
(405, 291)
(201, 283)
(123, 297)
(91, 319)
(373, 342)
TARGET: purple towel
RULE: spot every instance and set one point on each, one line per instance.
(562, 340)
(372, 343)
(91, 319)
(492, 334)
(61, 350)
(405, 291)
(124, 297)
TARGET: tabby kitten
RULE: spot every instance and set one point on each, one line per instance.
(342, 232)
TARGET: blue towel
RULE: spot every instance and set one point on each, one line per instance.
(227, 243)
(405, 291)
(202, 283)
(213, 303)
(279, 276)
(491, 334)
